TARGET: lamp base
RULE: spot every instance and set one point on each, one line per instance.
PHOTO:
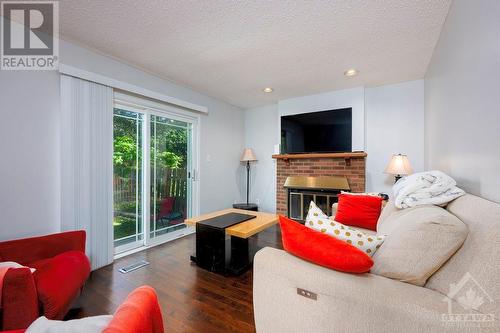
(246, 206)
(396, 178)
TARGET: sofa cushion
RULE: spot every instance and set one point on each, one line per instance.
(318, 221)
(366, 231)
(94, 324)
(139, 313)
(384, 223)
(392, 217)
(359, 210)
(420, 241)
(59, 280)
(322, 249)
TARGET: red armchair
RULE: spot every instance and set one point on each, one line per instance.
(61, 270)
(139, 313)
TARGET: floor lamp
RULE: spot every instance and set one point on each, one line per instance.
(247, 157)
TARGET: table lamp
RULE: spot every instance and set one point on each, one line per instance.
(399, 166)
(248, 156)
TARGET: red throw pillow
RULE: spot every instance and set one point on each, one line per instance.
(322, 249)
(359, 210)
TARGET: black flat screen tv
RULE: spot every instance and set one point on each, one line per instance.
(317, 132)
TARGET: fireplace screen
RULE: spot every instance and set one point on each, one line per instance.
(299, 200)
(322, 190)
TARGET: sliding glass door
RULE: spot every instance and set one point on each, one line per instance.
(154, 158)
(170, 164)
(127, 179)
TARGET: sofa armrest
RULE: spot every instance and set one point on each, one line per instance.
(19, 299)
(139, 313)
(344, 302)
(31, 249)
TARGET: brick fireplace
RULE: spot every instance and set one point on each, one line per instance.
(350, 165)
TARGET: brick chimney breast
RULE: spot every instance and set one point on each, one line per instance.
(350, 165)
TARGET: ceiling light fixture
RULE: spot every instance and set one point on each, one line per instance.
(351, 72)
(268, 90)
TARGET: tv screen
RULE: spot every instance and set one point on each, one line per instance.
(324, 131)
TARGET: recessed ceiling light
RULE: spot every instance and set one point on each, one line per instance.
(351, 72)
(267, 90)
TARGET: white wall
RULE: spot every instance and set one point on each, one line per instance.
(261, 125)
(29, 145)
(389, 118)
(394, 124)
(462, 98)
(29, 150)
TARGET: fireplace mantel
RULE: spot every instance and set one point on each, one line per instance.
(346, 156)
(356, 154)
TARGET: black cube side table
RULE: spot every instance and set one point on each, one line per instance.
(249, 206)
(220, 254)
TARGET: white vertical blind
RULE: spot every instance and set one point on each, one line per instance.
(87, 164)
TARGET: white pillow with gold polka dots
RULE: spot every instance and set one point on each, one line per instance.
(317, 220)
(314, 211)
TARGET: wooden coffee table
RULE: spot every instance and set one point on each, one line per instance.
(229, 251)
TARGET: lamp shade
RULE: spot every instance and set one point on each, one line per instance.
(399, 165)
(248, 155)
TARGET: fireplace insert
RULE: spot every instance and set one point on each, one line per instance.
(299, 200)
(322, 190)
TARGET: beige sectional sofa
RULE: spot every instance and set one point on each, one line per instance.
(371, 303)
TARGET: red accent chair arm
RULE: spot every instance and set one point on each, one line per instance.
(139, 313)
(31, 249)
(19, 299)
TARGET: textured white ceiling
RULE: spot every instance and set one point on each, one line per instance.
(233, 49)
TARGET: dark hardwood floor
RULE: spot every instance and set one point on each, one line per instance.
(192, 299)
